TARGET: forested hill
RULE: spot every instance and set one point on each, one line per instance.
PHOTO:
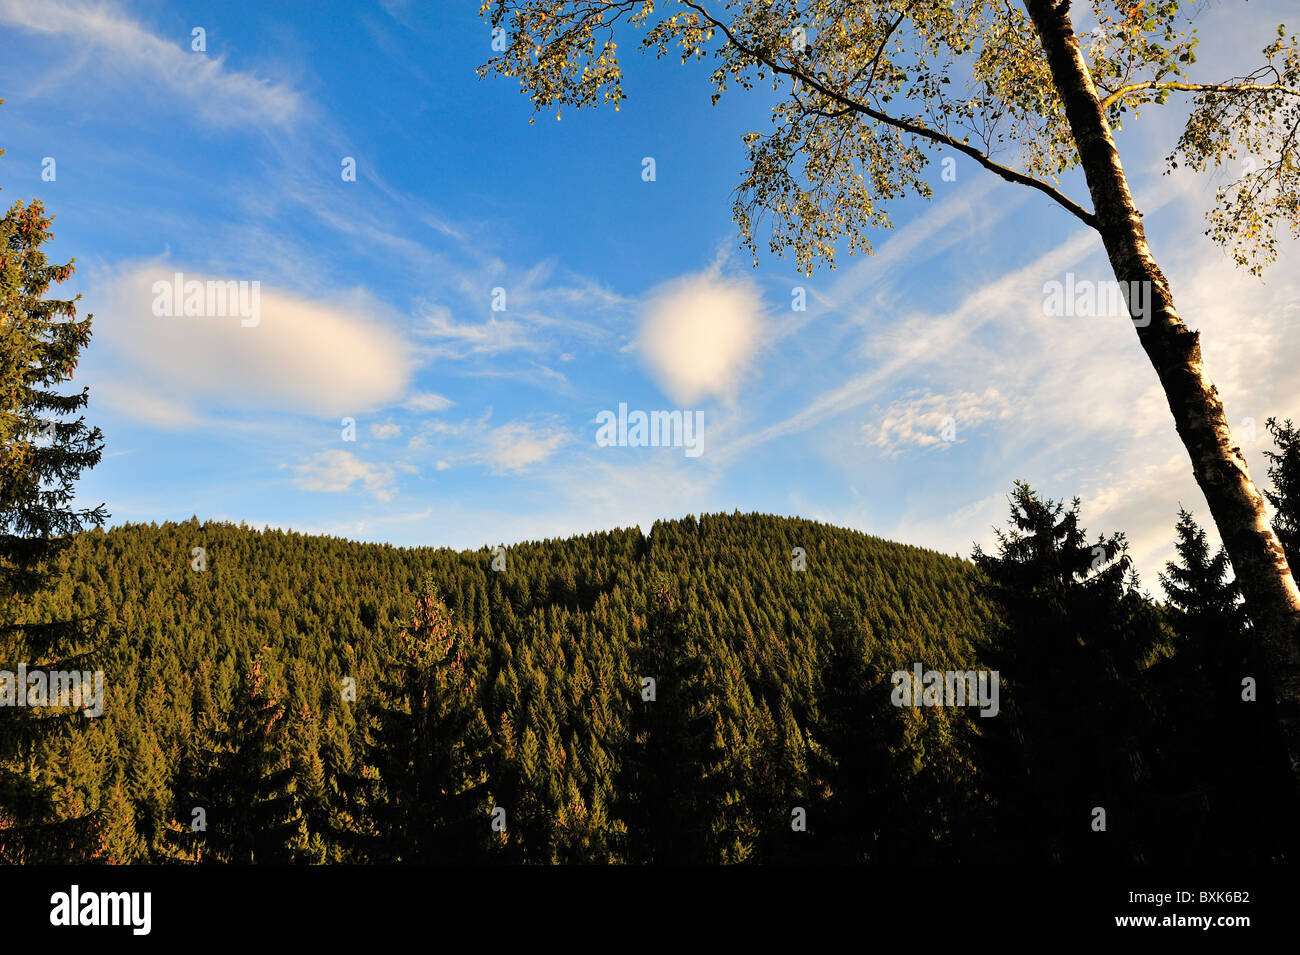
(321, 599)
(562, 637)
(719, 690)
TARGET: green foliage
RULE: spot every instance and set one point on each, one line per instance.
(42, 456)
(530, 701)
(1248, 126)
(865, 93)
(40, 340)
(239, 774)
(427, 754)
(521, 690)
(679, 781)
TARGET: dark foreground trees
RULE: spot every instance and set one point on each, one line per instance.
(1132, 732)
(1284, 471)
(1228, 785)
(1071, 751)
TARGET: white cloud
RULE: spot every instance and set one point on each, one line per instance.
(1089, 415)
(461, 339)
(305, 356)
(519, 445)
(382, 432)
(221, 96)
(335, 471)
(700, 334)
(921, 421)
(942, 346)
(426, 401)
(156, 410)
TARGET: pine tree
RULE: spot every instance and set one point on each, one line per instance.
(676, 782)
(856, 735)
(1200, 589)
(43, 455)
(119, 841)
(1072, 637)
(1284, 472)
(423, 797)
(310, 791)
(1224, 767)
(243, 781)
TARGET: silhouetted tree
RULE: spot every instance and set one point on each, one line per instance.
(1073, 636)
(1284, 472)
(676, 784)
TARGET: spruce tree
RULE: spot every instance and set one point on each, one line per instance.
(676, 781)
(1224, 771)
(1072, 637)
(1200, 589)
(423, 795)
(243, 780)
(43, 455)
(856, 735)
(1284, 472)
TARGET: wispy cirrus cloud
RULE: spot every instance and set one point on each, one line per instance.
(118, 44)
(514, 447)
(458, 340)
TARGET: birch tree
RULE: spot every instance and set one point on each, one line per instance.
(868, 91)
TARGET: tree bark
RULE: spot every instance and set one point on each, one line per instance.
(1272, 599)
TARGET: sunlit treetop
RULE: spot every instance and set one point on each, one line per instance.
(867, 91)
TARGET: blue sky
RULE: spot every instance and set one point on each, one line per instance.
(475, 426)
